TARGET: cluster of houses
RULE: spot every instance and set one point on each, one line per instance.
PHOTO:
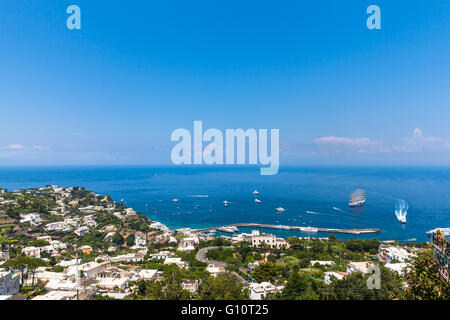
(395, 258)
(99, 276)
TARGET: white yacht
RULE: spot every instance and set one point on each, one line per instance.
(228, 229)
(309, 229)
(280, 209)
(255, 193)
(257, 200)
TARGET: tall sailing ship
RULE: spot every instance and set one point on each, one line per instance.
(357, 198)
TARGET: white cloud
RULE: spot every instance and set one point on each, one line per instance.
(13, 147)
(418, 142)
(38, 147)
(334, 144)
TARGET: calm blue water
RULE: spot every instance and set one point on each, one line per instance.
(298, 190)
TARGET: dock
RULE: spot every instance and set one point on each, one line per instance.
(298, 228)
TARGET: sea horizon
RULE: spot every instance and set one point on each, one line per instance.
(320, 190)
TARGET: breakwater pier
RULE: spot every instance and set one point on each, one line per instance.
(283, 227)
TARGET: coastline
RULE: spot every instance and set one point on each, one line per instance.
(297, 189)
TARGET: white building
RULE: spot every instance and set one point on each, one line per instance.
(57, 295)
(139, 241)
(362, 267)
(162, 255)
(188, 244)
(82, 231)
(32, 252)
(113, 283)
(32, 218)
(215, 270)
(58, 226)
(190, 285)
(90, 269)
(147, 274)
(328, 276)
(159, 226)
(177, 261)
(259, 290)
(258, 239)
(117, 295)
(129, 257)
(401, 268)
(390, 253)
(322, 263)
(68, 263)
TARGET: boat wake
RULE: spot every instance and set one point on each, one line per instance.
(312, 212)
(401, 210)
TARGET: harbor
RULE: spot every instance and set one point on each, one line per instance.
(233, 228)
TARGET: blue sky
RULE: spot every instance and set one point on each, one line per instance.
(112, 92)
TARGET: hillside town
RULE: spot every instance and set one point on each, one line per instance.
(62, 243)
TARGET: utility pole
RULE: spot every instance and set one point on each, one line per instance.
(77, 276)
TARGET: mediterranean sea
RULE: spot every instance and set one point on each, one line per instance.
(311, 196)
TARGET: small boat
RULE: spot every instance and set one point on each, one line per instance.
(225, 203)
(299, 216)
(280, 209)
(196, 207)
(210, 210)
(175, 200)
(257, 200)
(256, 192)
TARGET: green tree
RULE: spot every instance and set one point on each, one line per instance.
(117, 239)
(298, 287)
(265, 272)
(222, 287)
(354, 287)
(172, 280)
(425, 282)
(21, 263)
(130, 240)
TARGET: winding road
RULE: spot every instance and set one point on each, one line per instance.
(201, 256)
